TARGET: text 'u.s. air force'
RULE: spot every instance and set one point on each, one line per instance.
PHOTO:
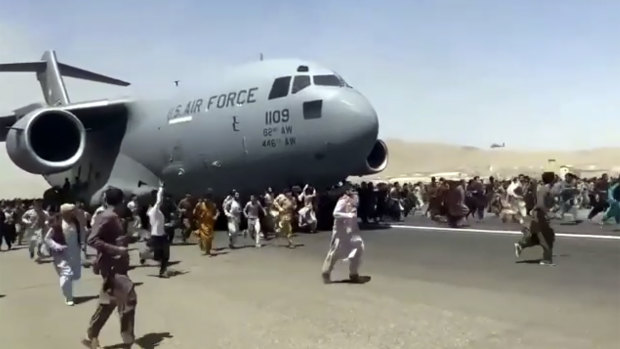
(219, 101)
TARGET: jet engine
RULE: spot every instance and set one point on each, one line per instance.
(377, 159)
(46, 141)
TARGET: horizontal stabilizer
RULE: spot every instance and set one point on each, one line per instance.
(65, 70)
(26, 67)
(50, 73)
(78, 73)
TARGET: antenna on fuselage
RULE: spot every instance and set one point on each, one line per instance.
(261, 57)
(176, 83)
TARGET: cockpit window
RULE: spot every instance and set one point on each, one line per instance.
(328, 80)
(280, 87)
(300, 82)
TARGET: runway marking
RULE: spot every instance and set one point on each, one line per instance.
(502, 232)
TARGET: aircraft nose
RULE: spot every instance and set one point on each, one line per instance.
(358, 115)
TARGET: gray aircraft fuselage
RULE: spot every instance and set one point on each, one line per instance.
(246, 134)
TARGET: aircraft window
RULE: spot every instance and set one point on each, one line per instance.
(300, 82)
(327, 80)
(280, 87)
(344, 83)
(312, 109)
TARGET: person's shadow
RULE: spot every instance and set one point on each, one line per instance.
(363, 279)
(83, 299)
(148, 341)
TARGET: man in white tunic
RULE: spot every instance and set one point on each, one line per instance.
(251, 211)
(83, 218)
(307, 216)
(135, 226)
(232, 210)
(346, 244)
(515, 199)
(159, 239)
(34, 221)
(63, 238)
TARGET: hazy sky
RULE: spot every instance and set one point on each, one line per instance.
(531, 73)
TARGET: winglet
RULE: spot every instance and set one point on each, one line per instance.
(50, 72)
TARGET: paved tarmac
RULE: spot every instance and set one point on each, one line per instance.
(429, 289)
(567, 225)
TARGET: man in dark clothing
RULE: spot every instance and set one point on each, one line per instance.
(364, 204)
(530, 195)
(112, 262)
(477, 197)
(540, 231)
(6, 233)
(454, 203)
(382, 196)
(489, 191)
(52, 198)
(169, 210)
(599, 196)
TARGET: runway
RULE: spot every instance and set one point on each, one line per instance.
(429, 289)
(491, 224)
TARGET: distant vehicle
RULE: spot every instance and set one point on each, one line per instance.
(495, 145)
(271, 123)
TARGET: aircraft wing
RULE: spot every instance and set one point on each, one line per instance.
(93, 114)
(5, 123)
(96, 114)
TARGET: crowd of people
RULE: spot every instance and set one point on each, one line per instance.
(63, 228)
(305, 209)
(510, 199)
(529, 201)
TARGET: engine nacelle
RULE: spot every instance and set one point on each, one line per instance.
(46, 141)
(377, 159)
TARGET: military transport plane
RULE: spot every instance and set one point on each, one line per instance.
(269, 123)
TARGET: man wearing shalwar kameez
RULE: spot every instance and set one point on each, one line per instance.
(613, 199)
(185, 208)
(34, 221)
(112, 263)
(540, 231)
(233, 209)
(205, 215)
(285, 205)
(346, 244)
(252, 211)
(63, 238)
(515, 199)
(83, 218)
(307, 216)
(454, 203)
(271, 223)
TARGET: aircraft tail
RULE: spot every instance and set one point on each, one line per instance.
(50, 72)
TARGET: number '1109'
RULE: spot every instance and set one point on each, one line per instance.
(276, 116)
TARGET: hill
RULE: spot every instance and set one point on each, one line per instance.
(410, 157)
